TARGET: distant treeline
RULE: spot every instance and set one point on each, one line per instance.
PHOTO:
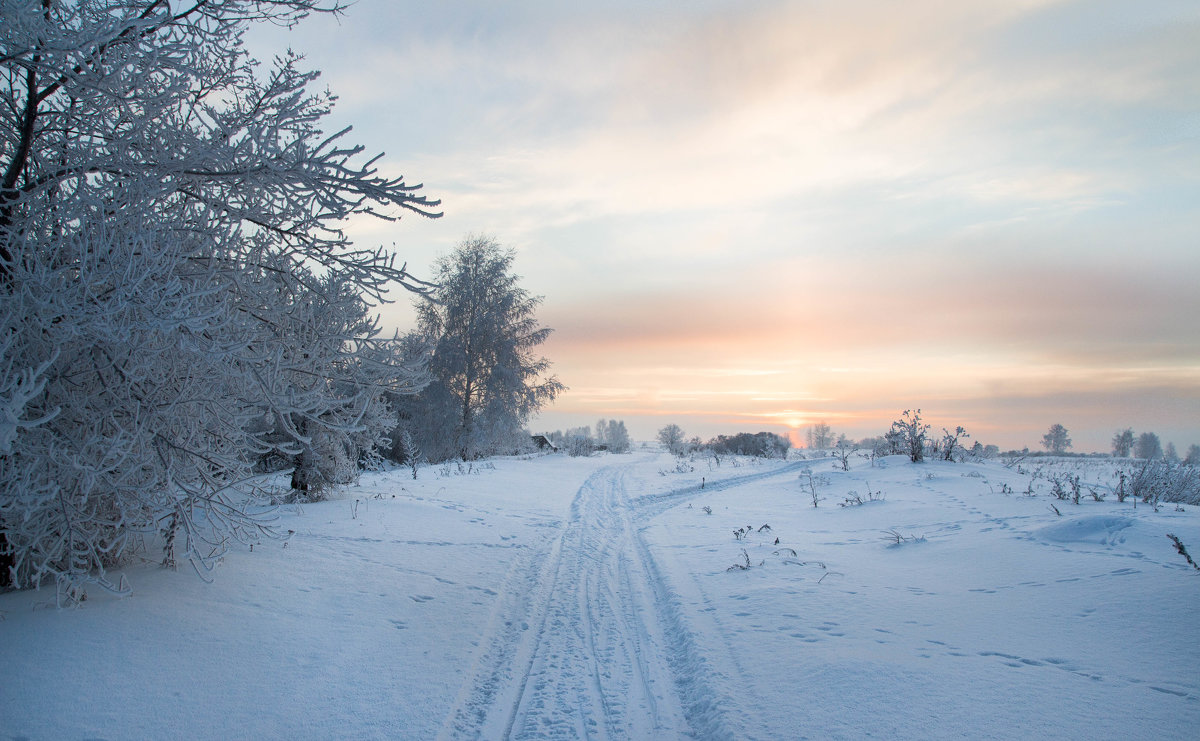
(757, 444)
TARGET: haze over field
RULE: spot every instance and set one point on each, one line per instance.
(760, 215)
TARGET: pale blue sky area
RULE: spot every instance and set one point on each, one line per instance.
(756, 215)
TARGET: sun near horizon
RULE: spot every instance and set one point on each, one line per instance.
(757, 216)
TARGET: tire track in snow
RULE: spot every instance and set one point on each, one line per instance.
(592, 644)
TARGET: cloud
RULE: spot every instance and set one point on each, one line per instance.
(775, 208)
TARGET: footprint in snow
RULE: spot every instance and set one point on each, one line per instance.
(420, 597)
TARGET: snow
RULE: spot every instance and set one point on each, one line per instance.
(559, 597)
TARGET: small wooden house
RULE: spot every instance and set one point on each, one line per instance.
(543, 443)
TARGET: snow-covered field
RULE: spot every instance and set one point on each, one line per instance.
(563, 597)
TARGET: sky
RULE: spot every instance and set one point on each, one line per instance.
(760, 215)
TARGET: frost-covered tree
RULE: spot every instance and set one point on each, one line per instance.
(616, 436)
(169, 216)
(1192, 457)
(612, 435)
(672, 439)
(336, 372)
(819, 436)
(579, 442)
(1056, 440)
(487, 378)
(1148, 446)
(1122, 443)
(578, 433)
(602, 432)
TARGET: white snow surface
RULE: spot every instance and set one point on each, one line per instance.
(559, 597)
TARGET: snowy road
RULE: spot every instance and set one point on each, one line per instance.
(584, 642)
(577, 648)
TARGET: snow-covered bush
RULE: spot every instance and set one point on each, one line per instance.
(1160, 480)
(951, 443)
(578, 446)
(910, 433)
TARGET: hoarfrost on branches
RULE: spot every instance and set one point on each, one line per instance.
(487, 378)
(169, 229)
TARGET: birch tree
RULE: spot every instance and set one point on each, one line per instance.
(487, 377)
(169, 221)
(820, 436)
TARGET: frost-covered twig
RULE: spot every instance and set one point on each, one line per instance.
(741, 566)
(1183, 551)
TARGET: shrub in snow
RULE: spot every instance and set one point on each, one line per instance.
(579, 446)
(842, 454)
(1160, 480)
(744, 565)
(1066, 487)
(896, 538)
(412, 452)
(809, 485)
(854, 499)
(951, 445)
(911, 433)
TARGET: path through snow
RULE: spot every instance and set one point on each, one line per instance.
(585, 644)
